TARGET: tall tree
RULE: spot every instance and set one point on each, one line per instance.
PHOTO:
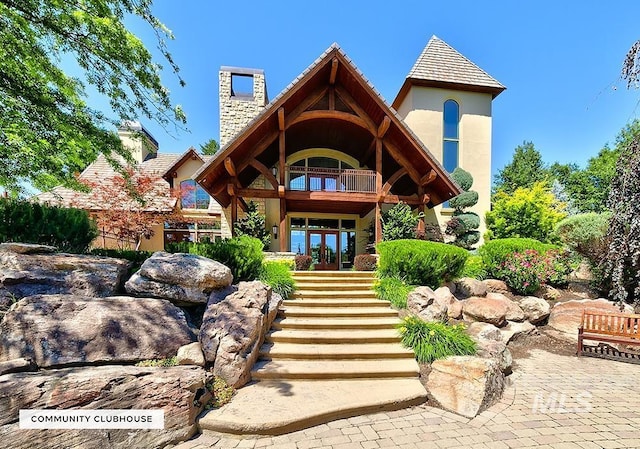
(525, 169)
(210, 147)
(47, 131)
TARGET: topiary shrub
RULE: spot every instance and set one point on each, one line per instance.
(420, 262)
(69, 230)
(303, 262)
(432, 341)
(277, 275)
(365, 262)
(400, 222)
(243, 255)
(394, 290)
(253, 225)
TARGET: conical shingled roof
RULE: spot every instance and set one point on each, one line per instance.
(440, 62)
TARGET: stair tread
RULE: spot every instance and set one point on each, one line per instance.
(336, 368)
(333, 322)
(335, 302)
(336, 336)
(383, 310)
(309, 350)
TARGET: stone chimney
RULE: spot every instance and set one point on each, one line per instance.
(243, 95)
(138, 140)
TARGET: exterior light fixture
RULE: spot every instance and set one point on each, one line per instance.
(274, 229)
(274, 170)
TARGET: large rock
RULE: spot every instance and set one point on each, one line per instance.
(514, 312)
(65, 329)
(548, 292)
(467, 287)
(487, 310)
(423, 302)
(233, 328)
(466, 385)
(513, 331)
(490, 345)
(535, 309)
(190, 354)
(565, 316)
(27, 270)
(181, 278)
(496, 286)
(178, 391)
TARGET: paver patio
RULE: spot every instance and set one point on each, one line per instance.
(554, 402)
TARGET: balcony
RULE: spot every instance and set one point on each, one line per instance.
(312, 179)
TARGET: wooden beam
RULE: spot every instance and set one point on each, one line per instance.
(257, 193)
(384, 126)
(234, 214)
(348, 99)
(335, 115)
(281, 157)
(243, 204)
(378, 226)
(335, 197)
(281, 119)
(393, 179)
(334, 71)
(412, 200)
(265, 172)
(332, 99)
(428, 178)
(403, 161)
(370, 150)
(231, 189)
(283, 225)
(230, 167)
(378, 166)
(258, 149)
(312, 99)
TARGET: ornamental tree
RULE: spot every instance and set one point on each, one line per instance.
(400, 222)
(463, 225)
(253, 224)
(47, 131)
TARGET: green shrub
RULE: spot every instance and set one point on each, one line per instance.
(243, 255)
(69, 230)
(253, 225)
(432, 341)
(525, 213)
(394, 290)
(420, 262)
(222, 392)
(464, 223)
(400, 222)
(365, 262)
(586, 234)
(494, 252)
(277, 275)
(136, 258)
(303, 262)
(474, 268)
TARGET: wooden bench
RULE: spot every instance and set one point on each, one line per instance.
(609, 328)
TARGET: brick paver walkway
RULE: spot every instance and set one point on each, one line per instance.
(554, 402)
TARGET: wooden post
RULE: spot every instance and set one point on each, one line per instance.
(283, 225)
(378, 189)
(378, 233)
(281, 146)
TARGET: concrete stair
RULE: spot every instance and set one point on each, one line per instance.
(330, 347)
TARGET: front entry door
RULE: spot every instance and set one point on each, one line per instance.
(323, 247)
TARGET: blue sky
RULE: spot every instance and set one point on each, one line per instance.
(559, 60)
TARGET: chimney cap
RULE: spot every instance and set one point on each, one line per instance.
(241, 70)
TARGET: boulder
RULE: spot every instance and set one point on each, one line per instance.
(487, 310)
(548, 292)
(514, 312)
(490, 345)
(27, 270)
(565, 316)
(183, 279)
(233, 328)
(54, 330)
(496, 286)
(535, 309)
(455, 310)
(467, 287)
(512, 331)
(190, 354)
(27, 248)
(15, 365)
(484, 331)
(466, 385)
(428, 305)
(178, 391)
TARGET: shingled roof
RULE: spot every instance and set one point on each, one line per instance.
(441, 65)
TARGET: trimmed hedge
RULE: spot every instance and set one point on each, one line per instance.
(495, 252)
(243, 255)
(420, 262)
(69, 230)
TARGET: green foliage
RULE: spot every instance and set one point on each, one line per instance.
(253, 225)
(525, 271)
(163, 363)
(394, 290)
(222, 392)
(277, 275)
(210, 147)
(400, 222)
(525, 169)
(463, 224)
(622, 260)
(70, 230)
(585, 234)
(432, 341)
(303, 262)
(420, 262)
(474, 268)
(495, 252)
(525, 213)
(365, 262)
(243, 255)
(47, 132)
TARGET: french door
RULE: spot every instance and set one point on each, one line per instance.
(323, 246)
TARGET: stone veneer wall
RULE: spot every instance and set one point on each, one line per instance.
(237, 111)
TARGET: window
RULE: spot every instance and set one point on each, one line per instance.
(192, 196)
(206, 231)
(318, 174)
(451, 135)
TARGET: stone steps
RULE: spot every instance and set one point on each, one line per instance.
(358, 322)
(333, 303)
(328, 351)
(318, 336)
(333, 294)
(335, 312)
(335, 369)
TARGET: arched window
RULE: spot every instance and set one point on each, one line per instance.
(192, 196)
(451, 136)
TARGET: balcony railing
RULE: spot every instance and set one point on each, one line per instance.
(331, 180)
